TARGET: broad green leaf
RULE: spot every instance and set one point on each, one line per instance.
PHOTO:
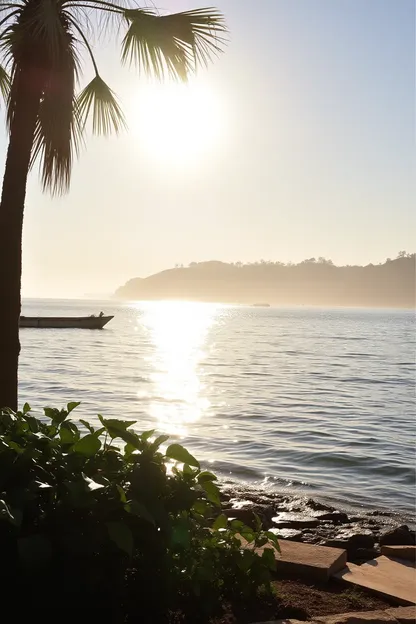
(129, 449)
(212, 492)
(190, 472)
(50, 412)
(147, 434)
(115, 424)
(118, 429)
(258, 522)
(66, 436)
(58, 416)
(220, 522)
(34, 550)
(159, 440)
(16, 447)
(71, 406)
(237, 525)
(274, 539)
(33, 423)
(26, 408)
(206, 476)
(246, 559)
(121, 535)
(87, 425)
(140, 510)
(131, 438)
(68, 432)
(180, 534)
(248, 536)
(180, 454)
(89, 445)
(121, 493)
(269, 558)
(202, 507)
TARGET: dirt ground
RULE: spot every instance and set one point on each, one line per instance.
(302, 601)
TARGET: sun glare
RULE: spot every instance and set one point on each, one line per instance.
(177, 123)
(178, 332)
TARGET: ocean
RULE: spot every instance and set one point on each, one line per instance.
(314, 401)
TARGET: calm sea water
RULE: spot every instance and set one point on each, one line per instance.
(316, 400)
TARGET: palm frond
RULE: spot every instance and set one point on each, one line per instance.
(45, 27)
(58, 133)
(172, 44)
(107, 115)
(4, 83)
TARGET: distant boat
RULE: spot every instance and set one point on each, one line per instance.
(65, 322)
(261, 305)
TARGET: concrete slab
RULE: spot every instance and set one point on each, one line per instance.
(300, 560)
(400, 552)
(404, 615)
(392, 578)
(365, 617)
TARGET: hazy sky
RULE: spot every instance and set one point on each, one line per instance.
(297, 142)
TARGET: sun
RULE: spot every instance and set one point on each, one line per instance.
(177, 123)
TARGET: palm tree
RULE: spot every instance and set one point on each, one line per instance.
(41, 42)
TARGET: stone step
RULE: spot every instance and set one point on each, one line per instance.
(300, 560)
(400, 615)
(392, 578)
(400, 552)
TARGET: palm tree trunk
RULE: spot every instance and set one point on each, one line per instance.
(27, 98)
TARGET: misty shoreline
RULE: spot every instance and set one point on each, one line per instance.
(309, 283)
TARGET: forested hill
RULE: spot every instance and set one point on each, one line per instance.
(311, 282)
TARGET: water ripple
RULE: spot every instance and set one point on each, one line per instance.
(306, 399)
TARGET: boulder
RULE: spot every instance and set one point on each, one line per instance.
(290, 534)
(317, 506)
(287, 520)
(356, 538)
(246, 513)
(365, 554)
(336, 517)
(400, 536)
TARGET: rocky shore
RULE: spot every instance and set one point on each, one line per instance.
(304, 519)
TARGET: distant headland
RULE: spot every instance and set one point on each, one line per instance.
(311, 282)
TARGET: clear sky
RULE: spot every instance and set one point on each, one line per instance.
(297, 142)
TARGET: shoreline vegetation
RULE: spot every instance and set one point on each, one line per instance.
(312, 282)
(111, 523)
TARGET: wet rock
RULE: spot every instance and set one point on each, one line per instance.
(336, 517)
(224, 496)
(356, 538)
(365, 554)
(400, 536)
(243, 515)
(287, 520)
(318, 506)
(334, 543)
(246, 513)
(290, 534)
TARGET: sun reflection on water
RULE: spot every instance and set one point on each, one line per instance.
(178, 333)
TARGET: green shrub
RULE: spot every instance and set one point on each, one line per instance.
(126, 529)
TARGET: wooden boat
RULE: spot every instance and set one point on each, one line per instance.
(65, 322)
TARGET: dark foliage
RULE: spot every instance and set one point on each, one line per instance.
(129, 532)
